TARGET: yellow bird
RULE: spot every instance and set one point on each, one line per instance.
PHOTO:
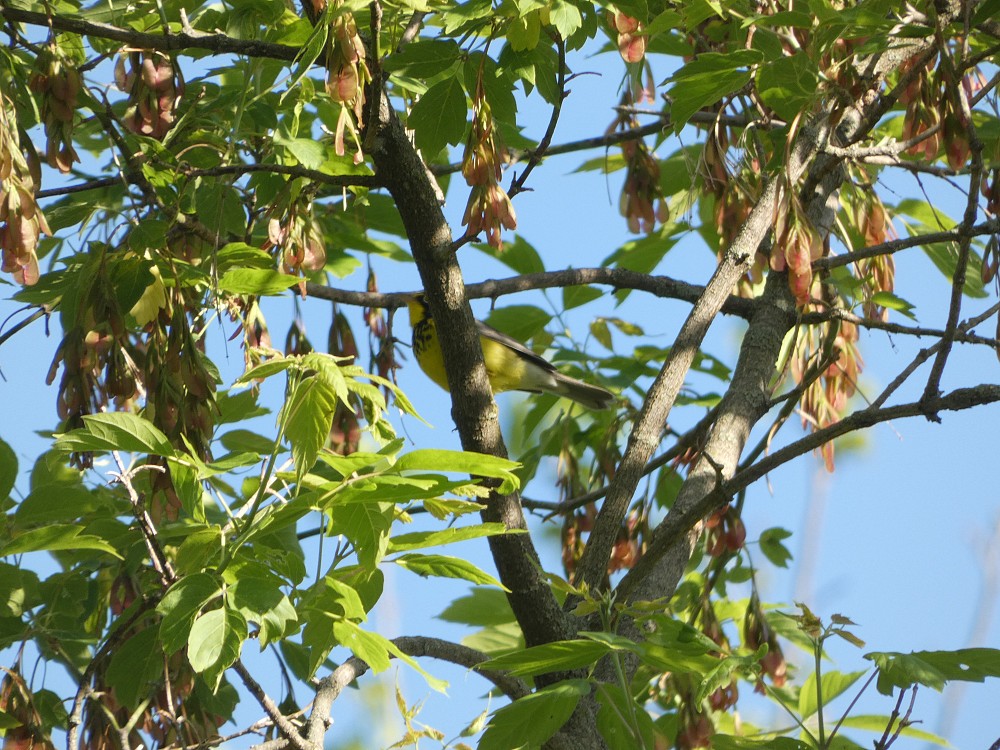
(510, 365)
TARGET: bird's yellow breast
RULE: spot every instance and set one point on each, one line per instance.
(503, 366)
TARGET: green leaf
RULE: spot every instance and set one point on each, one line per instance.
(533, 719)
(116, 431)
(477, 464)
(438, 118)
(57, 537)
(551, 657)
(890, 301)
(518, 254)
(307, 152)
(266, 370)
(247, 441)
(8, 469)
(260, 281)
(771, 545)
(934, 668)
(789, 84)
(484, 606)
(215, 641)
(307, 415)
(220, 209)
(445, 566)
(565, 17)
(369, 647)
(375, 649)
(727, 742)
(256, 593)
(706, 80)
(613, 720)
(54, 503)
(425, 539)
(134, 666)
(148, 234)
(425, 58)
(181, 605)
(575, 296)
(519, 321)
(879, 723)
(199, 548)
(834, 684)
(19, 590)
(366, 525)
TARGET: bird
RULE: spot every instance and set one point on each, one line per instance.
(509, 364)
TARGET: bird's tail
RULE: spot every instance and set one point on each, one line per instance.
(590, 396)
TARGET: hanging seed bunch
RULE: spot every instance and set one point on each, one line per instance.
(631, 36)
(346, 75)
(877, 274)
(796, 245)
(381, 346)
(298, 237)
(21, 220)
(345, 428)
(57, 82)
(642, 202)
(824, 400)
(180, 381)
(94, 355)
(154, 87)
(489, 208)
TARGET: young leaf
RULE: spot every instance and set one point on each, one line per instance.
(180, 605)
(307, 416)
(116, 431)
(934, 668)
(135, 665)
(834, 683)
(57, 537)
(446, 567)
(438, 118)
(259, 281)
(551, 657)
(771, 545)
(215, 642)
(425, 539)
(532, 720)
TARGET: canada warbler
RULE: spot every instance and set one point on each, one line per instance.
(509, 364)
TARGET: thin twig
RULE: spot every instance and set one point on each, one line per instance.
(124, 476)
(517, 185)
(291, 732)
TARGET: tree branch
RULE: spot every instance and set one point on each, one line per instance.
(330, 687)
(473, 409)
(617, 278)
(175, 42)
(287, 728)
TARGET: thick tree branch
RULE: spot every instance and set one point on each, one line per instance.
(617, 278)
(176, 42)
(474, 411)
(663, 393)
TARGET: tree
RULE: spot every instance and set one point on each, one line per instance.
(206, 158)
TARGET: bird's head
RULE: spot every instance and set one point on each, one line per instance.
(417, 305)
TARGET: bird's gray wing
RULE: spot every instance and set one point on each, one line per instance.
(512, 343)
